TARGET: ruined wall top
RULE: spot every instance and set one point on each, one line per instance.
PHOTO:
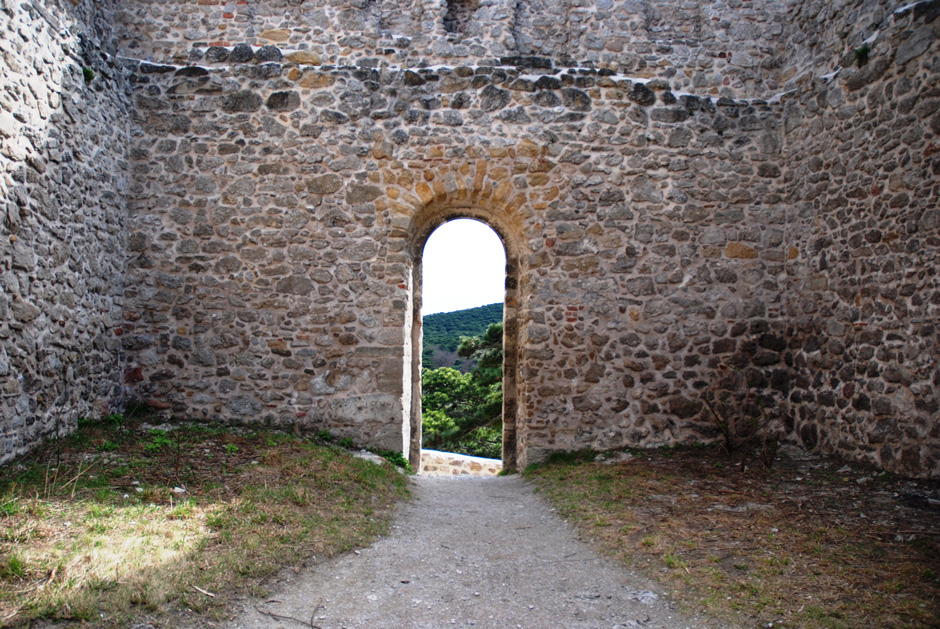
(727, 48)
(730, 48)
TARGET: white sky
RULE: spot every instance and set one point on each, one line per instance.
(464, 267)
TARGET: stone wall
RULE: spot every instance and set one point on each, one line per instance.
(280, 212)
(63, 178)
(436, 463)
(863, 179)
(693, 197)
(822, 35)
(727, 48)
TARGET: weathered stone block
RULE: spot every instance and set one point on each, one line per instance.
(493, 98)
(268, 54)
(241, 53)
(283, 101)
(642, 95)
(740, 250)
(275, 34)
(575, 99)
(24, 311)
(217, 54)
(358, 193)
(324, 184)
(295, 285)
(303, 57)
(241, 101)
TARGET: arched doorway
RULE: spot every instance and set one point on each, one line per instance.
(424, 226)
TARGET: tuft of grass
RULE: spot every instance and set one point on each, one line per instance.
(397, 459)
(861, 55)
(674, 561)
(114, 522)
(12, 567)
(158, 440)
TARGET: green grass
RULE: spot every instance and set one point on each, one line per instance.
(119, 519)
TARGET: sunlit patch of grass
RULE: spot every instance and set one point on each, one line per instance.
(96, 545)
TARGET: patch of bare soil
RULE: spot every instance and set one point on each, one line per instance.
(809, 543)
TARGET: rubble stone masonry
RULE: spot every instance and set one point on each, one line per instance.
(64, 174)
(687, 191)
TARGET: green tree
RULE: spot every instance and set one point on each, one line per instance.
(442, 333)
(463, 412)
(487, 349)
(452, 393)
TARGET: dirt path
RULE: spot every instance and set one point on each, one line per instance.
(481, 552)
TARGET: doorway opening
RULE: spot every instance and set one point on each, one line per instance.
(464, 286)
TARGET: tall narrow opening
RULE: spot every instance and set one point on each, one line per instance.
(463, 283)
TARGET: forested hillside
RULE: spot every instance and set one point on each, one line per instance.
(442, 334)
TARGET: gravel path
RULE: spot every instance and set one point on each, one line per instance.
(470, 552)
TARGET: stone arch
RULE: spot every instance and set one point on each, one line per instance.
(423, 224)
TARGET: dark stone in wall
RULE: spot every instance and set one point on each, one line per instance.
(217, 54)
(280, 101)
(268, 53)
(242, 101)
(493, 98)
(575, 99)
(642, 95)
(527, 62)
(192, 71)
(241, 53)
